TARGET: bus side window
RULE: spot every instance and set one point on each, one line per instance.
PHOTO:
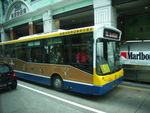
(54, 50)
(20, 51)
(81, 51)
(56, 54)
(82, 55)
(36, 52)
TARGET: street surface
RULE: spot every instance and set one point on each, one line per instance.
(33, 98)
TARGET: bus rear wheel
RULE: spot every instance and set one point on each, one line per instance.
(57, 83)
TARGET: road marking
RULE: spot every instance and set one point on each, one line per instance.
(63, 100)
(135, 88)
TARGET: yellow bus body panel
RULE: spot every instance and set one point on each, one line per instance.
(101, 80)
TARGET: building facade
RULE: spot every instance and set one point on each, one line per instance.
(26, 17)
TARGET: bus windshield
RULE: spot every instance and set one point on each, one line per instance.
(107, 56)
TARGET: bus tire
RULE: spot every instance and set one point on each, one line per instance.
(57, 83)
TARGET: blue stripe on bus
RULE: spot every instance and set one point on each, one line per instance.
(37, 79)
(73, 86)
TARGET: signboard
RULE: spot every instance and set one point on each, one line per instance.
(108, 33)
(135, 57)
(135, 53)
(105, 68)
(17, 9)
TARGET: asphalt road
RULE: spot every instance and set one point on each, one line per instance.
(33, 98)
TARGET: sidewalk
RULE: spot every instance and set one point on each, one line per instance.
(138, 85)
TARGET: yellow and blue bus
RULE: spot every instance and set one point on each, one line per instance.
(51, 59)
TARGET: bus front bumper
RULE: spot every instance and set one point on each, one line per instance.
(92, 89)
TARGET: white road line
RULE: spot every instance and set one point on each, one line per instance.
(63, 100)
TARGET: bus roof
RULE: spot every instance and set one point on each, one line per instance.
(97, 33)
(48, 35)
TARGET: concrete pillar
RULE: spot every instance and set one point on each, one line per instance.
(2, 35)
(57, 24)
(12, 34)
(48, 22)
(104, 13)
(31, 28)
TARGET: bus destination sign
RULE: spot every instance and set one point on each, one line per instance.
(108, 33)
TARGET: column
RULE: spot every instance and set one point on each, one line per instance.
(12, 34)
(2, 35)
(31, 28)
(48, 22)
(57, 24)
(104, 13)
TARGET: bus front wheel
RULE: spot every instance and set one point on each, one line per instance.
(57, 83)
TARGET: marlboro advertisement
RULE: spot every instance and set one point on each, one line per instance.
(135, 54)
(135, 57)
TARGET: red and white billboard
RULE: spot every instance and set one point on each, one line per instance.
(135, 53)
